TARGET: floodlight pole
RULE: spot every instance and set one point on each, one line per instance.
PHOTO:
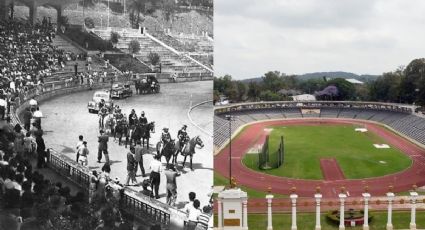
(229, 118)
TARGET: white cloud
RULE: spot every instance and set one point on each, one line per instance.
(299, 36)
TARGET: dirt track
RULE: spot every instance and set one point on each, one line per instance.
(402, 181)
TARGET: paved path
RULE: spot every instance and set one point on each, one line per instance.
(67, 117)
(330, 169)
(402, 181)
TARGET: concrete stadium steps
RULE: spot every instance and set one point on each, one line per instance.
(292, 112)
(170, 61)
(365, 114)
(98, 64)
(331, 113)
(348, 113)
(63, 44)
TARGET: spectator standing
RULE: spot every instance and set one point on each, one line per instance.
(193, 215)
(94, 180)
(29, 145)
(37, 116)
(33, 104)
(79, 145)
(131, 167)
(84, 152)
(192, 197)
(41, 151)
(3, 106)
(103, 147)
(138, 151)
(27, 116)
(171, 174)
(156, 169)
(203, 219)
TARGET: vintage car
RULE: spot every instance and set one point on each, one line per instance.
(93, 105)
(120, 90)
(147, 84)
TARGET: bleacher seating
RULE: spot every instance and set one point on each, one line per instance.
(171, 62)
(410, 125)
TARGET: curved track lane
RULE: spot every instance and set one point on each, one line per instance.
(402, 181)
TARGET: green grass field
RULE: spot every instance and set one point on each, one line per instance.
(401, 220)
(354, 151)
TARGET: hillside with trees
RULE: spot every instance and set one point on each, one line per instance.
(403, 85)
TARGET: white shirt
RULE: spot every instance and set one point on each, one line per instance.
(193, 214)
(156, 166)
(33, 102)
(3, 103)
(38, 114)
(79, 145)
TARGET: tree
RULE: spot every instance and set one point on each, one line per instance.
(138, 7)
(253, 91)
(346, 90)
(114, 37)
(268, 95)
(273, 81)
(413, 83)
(168, 8)
(134, 47)
(154, 58)
(241, 88)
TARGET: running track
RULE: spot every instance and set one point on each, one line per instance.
(402, 181)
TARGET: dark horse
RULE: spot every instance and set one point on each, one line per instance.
(142, 132)
(187, 150)
(121, 130)
(146, 133)
(167, 151)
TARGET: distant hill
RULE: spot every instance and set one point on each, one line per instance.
(320, 75)
(339, 74)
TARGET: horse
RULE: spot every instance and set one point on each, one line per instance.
(188, 149)
(136, 133)
(121, 130)
(146, 130)
(167, 151)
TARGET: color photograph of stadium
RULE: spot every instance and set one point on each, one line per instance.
(337, 140)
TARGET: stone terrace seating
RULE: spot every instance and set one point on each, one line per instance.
(331, 112)
(348, 113)
(292, 112)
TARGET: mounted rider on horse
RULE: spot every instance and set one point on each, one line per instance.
(182, 137)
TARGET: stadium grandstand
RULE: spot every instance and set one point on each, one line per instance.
(399, 117)
(39, 187)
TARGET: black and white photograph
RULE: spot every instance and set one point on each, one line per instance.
(106, 114)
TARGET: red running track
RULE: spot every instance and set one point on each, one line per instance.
(402, 181)
(330, 169)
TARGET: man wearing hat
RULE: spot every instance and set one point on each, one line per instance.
(131, 167)
(132, 118)
(182, 136)
(103, 147)
(143, 120)
(165, 138)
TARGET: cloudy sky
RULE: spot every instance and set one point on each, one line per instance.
(302, 36)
